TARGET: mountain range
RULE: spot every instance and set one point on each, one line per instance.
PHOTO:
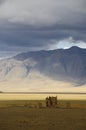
(39, 69)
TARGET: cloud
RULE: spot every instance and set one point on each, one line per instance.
(2, 1)
(41, 13)
(32, 25)
(67, 43)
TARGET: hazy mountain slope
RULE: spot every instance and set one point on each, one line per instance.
(44, 70)
(14, 69)
(60, 64)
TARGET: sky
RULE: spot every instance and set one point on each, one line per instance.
(29, 25)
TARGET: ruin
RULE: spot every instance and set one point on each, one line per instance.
(51, 101)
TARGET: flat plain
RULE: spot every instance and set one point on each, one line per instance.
(27, 115)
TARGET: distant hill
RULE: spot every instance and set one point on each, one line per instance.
(66, 65)
(69, 64)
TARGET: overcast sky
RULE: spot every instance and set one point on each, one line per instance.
(27, 25)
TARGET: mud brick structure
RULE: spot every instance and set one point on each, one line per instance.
(51, 101)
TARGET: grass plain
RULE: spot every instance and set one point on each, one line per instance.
(26, 115)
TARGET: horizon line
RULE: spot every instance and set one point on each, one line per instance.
(42, 92)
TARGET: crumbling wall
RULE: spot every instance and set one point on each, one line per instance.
(51, 101)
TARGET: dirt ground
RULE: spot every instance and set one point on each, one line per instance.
(24, 118)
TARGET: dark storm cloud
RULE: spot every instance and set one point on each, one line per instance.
(40, 23)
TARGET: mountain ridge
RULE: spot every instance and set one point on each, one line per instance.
(56, 66)
(60, 62)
